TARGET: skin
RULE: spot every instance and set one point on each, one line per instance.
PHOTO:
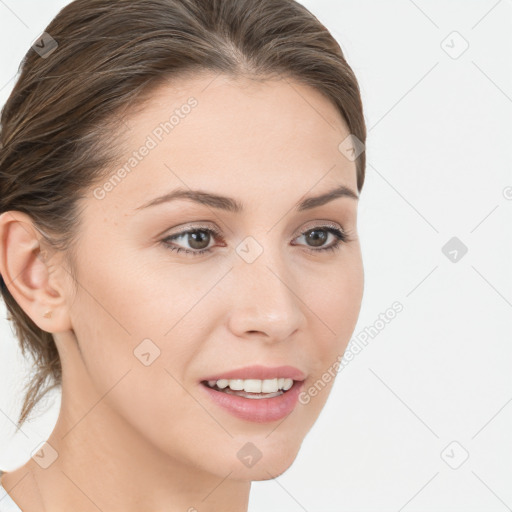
(132, 437)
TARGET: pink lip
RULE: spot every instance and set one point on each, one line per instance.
(261, 373)
(256, 410)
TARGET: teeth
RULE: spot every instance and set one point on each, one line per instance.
(222, 383)
(270, 385)
(288, 383)
(253, 385)
(236, 384)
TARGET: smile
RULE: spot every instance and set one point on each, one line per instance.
(252, 388)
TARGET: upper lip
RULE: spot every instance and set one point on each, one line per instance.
(260, 372)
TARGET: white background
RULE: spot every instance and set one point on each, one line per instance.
(438, 150)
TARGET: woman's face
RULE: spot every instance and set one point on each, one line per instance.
(155, 317)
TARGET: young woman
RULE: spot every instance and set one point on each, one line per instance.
(179, 182)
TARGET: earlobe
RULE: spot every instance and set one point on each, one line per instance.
(28, 275)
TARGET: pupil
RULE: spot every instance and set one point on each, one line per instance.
(195, 238)
(318, 237)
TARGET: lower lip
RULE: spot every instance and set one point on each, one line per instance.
(259, 410)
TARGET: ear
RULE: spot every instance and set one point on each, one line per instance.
(32, 272)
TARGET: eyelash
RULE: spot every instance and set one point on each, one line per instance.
(341, 236)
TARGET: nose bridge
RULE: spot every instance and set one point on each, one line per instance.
(264, 298)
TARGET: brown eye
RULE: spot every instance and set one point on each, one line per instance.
(198, 241)
(316, 237)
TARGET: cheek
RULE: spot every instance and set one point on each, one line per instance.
(135, 317)
(334, 297)
(113, 313)
(334, 293)
(133, 366)
(129, 297)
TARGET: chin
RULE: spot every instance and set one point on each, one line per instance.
(259, 473)
(273, 461)
(274, 474)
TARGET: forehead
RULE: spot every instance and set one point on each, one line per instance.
(258, 105)
(214, 132)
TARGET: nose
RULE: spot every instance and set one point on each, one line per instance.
(266, 299)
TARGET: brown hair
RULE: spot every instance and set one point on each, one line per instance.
(58, 123)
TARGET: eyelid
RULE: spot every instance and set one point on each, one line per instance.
(341, 235)
(193, 227)
(308, 226)
(317, 224)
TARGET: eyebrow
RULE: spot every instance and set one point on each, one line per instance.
(232, 205)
